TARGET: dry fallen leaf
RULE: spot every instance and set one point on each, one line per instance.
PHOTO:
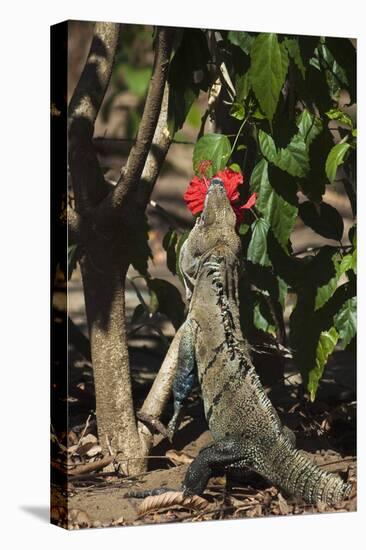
(172, 498)
(282, 504)
(90, 438)
(118, 521)
(78, 518)
(255, 512)
(94, 450)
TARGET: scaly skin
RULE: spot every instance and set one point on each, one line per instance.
(245, 426)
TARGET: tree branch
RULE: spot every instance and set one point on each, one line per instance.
(158, 151)
(87, 178)
(160, 391)
(152, 129)
(136, 203)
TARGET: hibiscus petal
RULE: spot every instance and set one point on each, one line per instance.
(197, 189)
(250, 202)
(196, 206)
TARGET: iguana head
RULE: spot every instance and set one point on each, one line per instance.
(214, 231)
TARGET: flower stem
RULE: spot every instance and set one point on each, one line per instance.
(237, 135)
(254, 214)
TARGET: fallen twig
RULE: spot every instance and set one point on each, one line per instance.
(91, 466)
(93, 475)
(152, 422)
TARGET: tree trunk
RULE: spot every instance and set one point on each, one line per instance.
(103, 274)
(102, 224)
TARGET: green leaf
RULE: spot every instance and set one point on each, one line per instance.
(243, 229)
(340, 116)
(295, 158)
(235, 167)
(310, 126)
(293, 48)
(262, 316)
(325, 292)
(324, 219)
(215, 148)
(349, 262)
(345, 321)
(72, 255)
(241, 39)
(237, 111)
(269, 63)
(166, 299)
(258, 115)
(278, 213)
(313, 186)
(327, 342)
(335, 74)
(267, 146)
(257, 249)
(242, 87)
(335, 159)
(344, 53)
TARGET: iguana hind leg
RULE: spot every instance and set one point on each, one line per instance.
(214, 459)
(186, 374)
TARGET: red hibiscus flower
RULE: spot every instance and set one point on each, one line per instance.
(197, 189)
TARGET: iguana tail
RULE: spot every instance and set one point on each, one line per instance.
(297, 475)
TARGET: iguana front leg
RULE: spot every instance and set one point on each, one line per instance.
(185, 375)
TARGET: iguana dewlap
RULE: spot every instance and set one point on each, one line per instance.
(246, 429)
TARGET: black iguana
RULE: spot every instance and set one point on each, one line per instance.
(246, 429)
